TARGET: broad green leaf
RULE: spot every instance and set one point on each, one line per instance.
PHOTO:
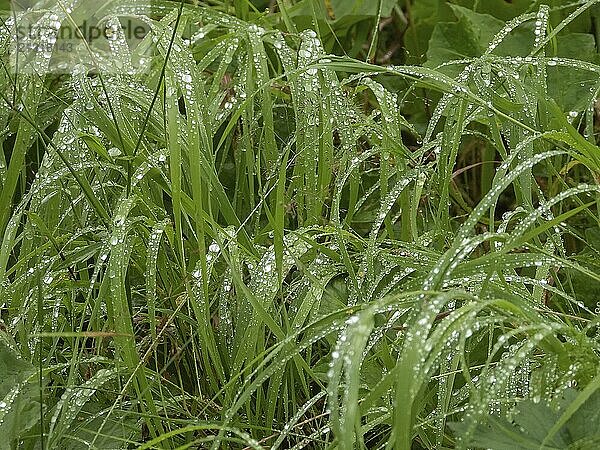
(531, 424)
(19, 394)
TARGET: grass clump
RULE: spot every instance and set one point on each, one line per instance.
(257, 242)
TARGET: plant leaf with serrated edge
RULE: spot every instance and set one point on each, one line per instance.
(533, 424)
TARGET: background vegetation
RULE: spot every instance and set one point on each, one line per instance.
(311, 224)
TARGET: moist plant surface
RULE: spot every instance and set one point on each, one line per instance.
(300, 224)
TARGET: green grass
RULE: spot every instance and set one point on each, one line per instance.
(274, 239)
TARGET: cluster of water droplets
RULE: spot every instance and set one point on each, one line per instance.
(541, 23)
(73, 400)
(120, 60)
(33, 51)
(9, 402)
(306, 303)
(346, 359)
(226, 102)
(226, 307)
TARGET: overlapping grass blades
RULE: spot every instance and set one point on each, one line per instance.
(229, 251)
